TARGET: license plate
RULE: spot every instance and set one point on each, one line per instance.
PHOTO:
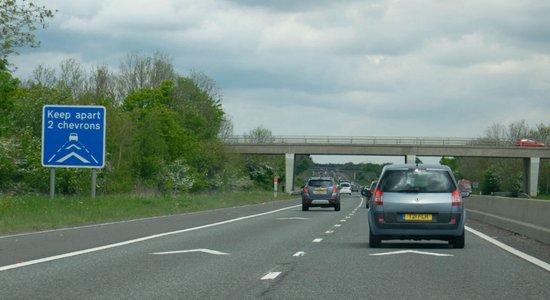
(319, 191)
(319, 202)
(417, 217)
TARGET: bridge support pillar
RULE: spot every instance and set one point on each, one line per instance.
(410, 158)
(289, 172)
(531, 175)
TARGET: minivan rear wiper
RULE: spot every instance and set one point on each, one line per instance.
(409, 190)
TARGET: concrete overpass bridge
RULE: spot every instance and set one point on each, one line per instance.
(408, 147)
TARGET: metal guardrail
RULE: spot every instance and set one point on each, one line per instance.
(370, 140)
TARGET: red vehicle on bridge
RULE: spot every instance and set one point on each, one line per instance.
(529, 143)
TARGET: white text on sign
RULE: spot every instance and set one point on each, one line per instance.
(79, 116)
(65, 116)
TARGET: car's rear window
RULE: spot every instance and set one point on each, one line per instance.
(320, 183)
(417, 181)
(345, 185)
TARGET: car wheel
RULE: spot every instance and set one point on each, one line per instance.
(305, 207)
(374, 240)
(337, 207)
(458, 241)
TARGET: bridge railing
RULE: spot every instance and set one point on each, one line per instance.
(368, 140)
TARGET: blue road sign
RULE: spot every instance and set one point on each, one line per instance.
(73, 136)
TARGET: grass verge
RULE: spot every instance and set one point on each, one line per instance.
(35, 213)
(542, 196)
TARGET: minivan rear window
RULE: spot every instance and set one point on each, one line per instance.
(417, 181)
(320, 183)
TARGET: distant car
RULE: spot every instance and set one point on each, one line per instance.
(529, 143)
(368, 191)
(320, 192)
(417, 202)
(345, 188)
(73, 137)
(465, 187)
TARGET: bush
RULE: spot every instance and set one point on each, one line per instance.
(517, 185)
(491, 182)
(177, 177)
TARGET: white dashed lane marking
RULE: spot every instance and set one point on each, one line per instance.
(271, 275)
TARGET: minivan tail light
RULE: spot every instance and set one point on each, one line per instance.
(457, 200)
(306, 189)
(378, 197)
(334, 190)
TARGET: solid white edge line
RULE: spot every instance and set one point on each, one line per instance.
(61, 256)
(271, 275)
(514, 251)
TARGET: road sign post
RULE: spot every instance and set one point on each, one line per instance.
(94, 180)
(73, 136)
(52, 182)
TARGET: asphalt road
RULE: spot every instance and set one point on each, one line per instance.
(269, 251)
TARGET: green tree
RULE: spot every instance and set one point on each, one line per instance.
(491, 182)
(177, 125)
(370, 172)
(517, 184)
(8, 168)
(120, 151)
(201, 113)
(25, 138)
(304, 164)
(8, 86)
(18, 21)
(452, 163)
(28, 103)
(145, 99)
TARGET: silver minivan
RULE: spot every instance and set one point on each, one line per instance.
(417, 202)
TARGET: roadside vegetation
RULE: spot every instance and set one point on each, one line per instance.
(542, 196)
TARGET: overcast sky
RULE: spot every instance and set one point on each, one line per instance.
(429, 68)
